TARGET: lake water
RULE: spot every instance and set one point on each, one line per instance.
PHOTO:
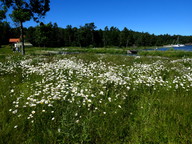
(185, 48)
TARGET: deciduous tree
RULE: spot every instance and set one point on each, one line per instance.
(24, 10)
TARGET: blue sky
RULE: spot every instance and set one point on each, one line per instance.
(153, 16)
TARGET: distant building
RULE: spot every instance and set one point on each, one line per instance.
(17, 42)
(14, 40)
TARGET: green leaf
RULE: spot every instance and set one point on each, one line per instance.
(21, 15)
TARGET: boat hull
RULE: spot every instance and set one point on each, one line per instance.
(177, 45)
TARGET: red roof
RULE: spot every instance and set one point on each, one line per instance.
(14, 40)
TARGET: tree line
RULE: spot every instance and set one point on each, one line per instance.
(50, 35)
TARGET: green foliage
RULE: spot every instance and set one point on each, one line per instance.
(87, 35)
(3, 11)
(2, 14)
(50, 35)
(5, 32)
(21, 15)
(44, 35)
(24, 10)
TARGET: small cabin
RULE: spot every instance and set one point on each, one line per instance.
(14, 40)
(17, 42)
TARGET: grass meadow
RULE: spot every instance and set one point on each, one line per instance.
(94, 98)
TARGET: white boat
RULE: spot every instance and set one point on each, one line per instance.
(176, 44)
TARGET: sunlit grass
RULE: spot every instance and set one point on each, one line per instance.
(172, 53)
(91, 98)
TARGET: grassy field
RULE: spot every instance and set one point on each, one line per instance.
(117, 51)
(94, 98)
(170, 53)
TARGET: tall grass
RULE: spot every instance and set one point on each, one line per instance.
(90, 98)
(172, 53)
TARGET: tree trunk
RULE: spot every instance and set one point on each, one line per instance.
(104, 41)
(92, 35)
(22, 39)
(127, 43)
(69, 40)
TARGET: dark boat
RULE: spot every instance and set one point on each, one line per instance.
(132, 52)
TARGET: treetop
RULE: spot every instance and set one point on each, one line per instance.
(24, 10)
